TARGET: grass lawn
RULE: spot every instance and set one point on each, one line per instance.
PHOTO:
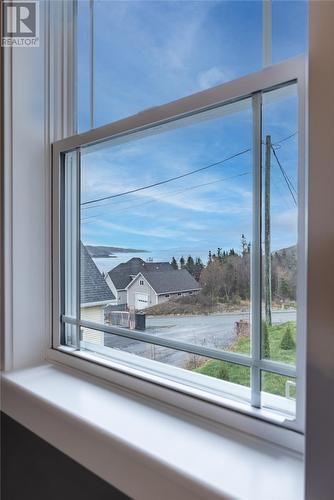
(272, 383)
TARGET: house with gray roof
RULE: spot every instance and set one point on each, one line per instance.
(138, 284)
(95, 295)
(119, 278)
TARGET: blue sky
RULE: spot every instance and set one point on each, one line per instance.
(148, 53)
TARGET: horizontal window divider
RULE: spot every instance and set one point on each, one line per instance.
(244, 87)
(269, 365)
(232, 357)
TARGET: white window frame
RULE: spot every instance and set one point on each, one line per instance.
(249, 86)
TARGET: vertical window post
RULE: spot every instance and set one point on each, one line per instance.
(256, 252)
(91, 64)
(71, 247)
(267, 32)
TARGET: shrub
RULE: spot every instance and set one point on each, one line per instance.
(287, 341)
(222, 373)
(236, 300)
(193, 362)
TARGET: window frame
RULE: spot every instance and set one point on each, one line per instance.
(250, 86)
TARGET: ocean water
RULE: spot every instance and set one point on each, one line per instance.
(105, 264)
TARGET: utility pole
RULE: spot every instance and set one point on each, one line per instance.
(267, 236)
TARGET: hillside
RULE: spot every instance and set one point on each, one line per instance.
(105, 251)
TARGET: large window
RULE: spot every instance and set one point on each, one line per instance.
(177, 237)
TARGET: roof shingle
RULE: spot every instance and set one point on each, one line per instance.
(174, 280)
(122, 274)
(93, 288)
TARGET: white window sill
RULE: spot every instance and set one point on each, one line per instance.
(144, 448)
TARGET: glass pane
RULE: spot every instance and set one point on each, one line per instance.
(289, 29)
(230, 372)
(273, 385)
(280, 221)
(172, 49)
(167, 219)
(150, 53)
(188, 368)
(71, 202)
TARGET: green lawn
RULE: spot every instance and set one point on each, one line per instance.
(272, 383)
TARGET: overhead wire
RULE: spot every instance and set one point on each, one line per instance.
(288, 182)
(88, 204)
(175, 194)
(160, 183)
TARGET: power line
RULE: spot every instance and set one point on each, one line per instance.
(117, 195)
(285, 173)
(173, 193)
(285, 138)
(286, 177)
(172, 196)
(167, 180)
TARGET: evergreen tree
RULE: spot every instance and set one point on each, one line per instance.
(222, 372)
(190, 265)
(199, 266)
(174, 263)
(210, 257)
(182, 262)
(284, 288)
(244, 245)
(287, 341)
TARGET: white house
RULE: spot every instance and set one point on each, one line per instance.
(119, 278)
(149, 288)
(138, 284)
(95, 295)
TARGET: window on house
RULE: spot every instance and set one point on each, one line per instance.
(204, 196)
(207, 203)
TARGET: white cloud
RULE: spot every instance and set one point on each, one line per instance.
(155, 232)
(213, 76)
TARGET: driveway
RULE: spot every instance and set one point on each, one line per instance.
(214, 330)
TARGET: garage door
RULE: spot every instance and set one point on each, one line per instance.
(141, 300)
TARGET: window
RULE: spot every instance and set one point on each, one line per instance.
(174, 49)
(141, 282)
(179, 194)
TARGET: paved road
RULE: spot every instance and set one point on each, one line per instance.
(214, 330)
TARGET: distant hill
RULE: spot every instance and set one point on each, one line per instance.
(287, 257)
(284, 273)
(104, 251)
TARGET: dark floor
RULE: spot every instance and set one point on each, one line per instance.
(32, 469)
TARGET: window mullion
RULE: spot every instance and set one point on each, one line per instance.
(256, 253)
(71, 245)
(91, 64)
(78, 242)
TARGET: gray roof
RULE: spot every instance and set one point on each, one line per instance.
(122, 274)
(93, 287)
(174, 280)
